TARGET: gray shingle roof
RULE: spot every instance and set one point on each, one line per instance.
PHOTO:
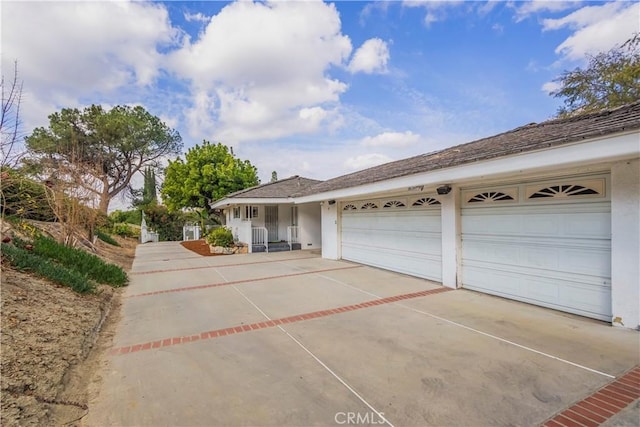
(531, 137)
(283, 188)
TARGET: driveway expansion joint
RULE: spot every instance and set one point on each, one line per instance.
(239, 282)
(169, 270)
(268, 324)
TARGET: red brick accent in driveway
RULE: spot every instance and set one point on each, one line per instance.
(601, 405)
(139, 273)
(269, 324)
(237, 282)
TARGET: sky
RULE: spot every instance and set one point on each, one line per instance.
(310, 88)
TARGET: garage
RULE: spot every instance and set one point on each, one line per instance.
(546, 243)
(402, 234)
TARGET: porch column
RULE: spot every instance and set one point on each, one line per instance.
(451, 237)
(330, 230)
(625, 243)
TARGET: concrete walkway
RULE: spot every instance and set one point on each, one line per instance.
(290, 339)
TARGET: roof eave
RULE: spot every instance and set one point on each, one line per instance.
(233, 201)
(595, 150)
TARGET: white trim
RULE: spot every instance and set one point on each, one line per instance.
(224, 203)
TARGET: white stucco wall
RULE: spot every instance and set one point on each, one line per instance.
(625, 243)
(330, 231)
(309, 219)
(451, 243)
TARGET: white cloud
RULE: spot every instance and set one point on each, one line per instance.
(364, 161)
(369, 9)
(371, 57)
(67, 51)
(391, 139)
(196, 17)
(529, 8)
(437, 10)
(259, 70)
(551, 87)
(597, 28)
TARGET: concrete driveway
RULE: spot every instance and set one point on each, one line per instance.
(290, 339)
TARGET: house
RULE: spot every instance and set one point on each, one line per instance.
(266, 216)
(547, 214)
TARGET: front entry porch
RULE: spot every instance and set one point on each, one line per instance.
(261, 240)
(275, 227)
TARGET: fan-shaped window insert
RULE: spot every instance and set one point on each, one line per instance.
(369, 206)
(566, 190)
(490, 196)
(394, 204)
(349, 207)
(425, 201)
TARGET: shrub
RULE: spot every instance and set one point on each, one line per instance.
(106, 238)
(84, 263)
(130, 217)
(220, 237)
(167, 224)
(24, 197)
(125, 230)
(27, 261)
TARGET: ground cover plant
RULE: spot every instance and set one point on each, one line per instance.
(87, 265)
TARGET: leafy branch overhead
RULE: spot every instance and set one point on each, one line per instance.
(208, 173)
(611, 79)
(101, 150)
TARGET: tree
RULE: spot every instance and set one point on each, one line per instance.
(147, 195)
(611, 79)
(274, 176)
(208, 173)
(11, 93)
(101, 150)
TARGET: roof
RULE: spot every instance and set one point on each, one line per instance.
(534, 136)
(283, 188)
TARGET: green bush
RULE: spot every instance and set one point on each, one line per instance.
(27, 261)
(24, 197)
(84, 263)
(130, 217)
(167, 224)
(125, 230)
(220, 237)
(106, 238)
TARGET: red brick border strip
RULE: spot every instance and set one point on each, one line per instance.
(268, 323)
(237, 282)
(140, 273)
(601, 405)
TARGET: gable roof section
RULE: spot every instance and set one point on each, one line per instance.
(535, 136)
(288, 187)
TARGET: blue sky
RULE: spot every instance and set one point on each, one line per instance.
(306, 87)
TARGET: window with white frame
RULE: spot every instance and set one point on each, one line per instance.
(294, 216)
(236, 212)
(250, 212)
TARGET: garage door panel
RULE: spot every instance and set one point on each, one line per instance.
(554, 255)
(573, 297)
(586, 260)
(403, 240)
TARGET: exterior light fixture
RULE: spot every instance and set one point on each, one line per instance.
(444, 189)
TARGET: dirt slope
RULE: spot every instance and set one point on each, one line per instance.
(51, 342)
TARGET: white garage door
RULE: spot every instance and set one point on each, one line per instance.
(398, 234)
(544, 243)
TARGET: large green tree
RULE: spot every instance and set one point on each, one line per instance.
(208, 173)
(100, 150)
(610, 79)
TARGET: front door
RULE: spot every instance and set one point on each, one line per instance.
(271, 222)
